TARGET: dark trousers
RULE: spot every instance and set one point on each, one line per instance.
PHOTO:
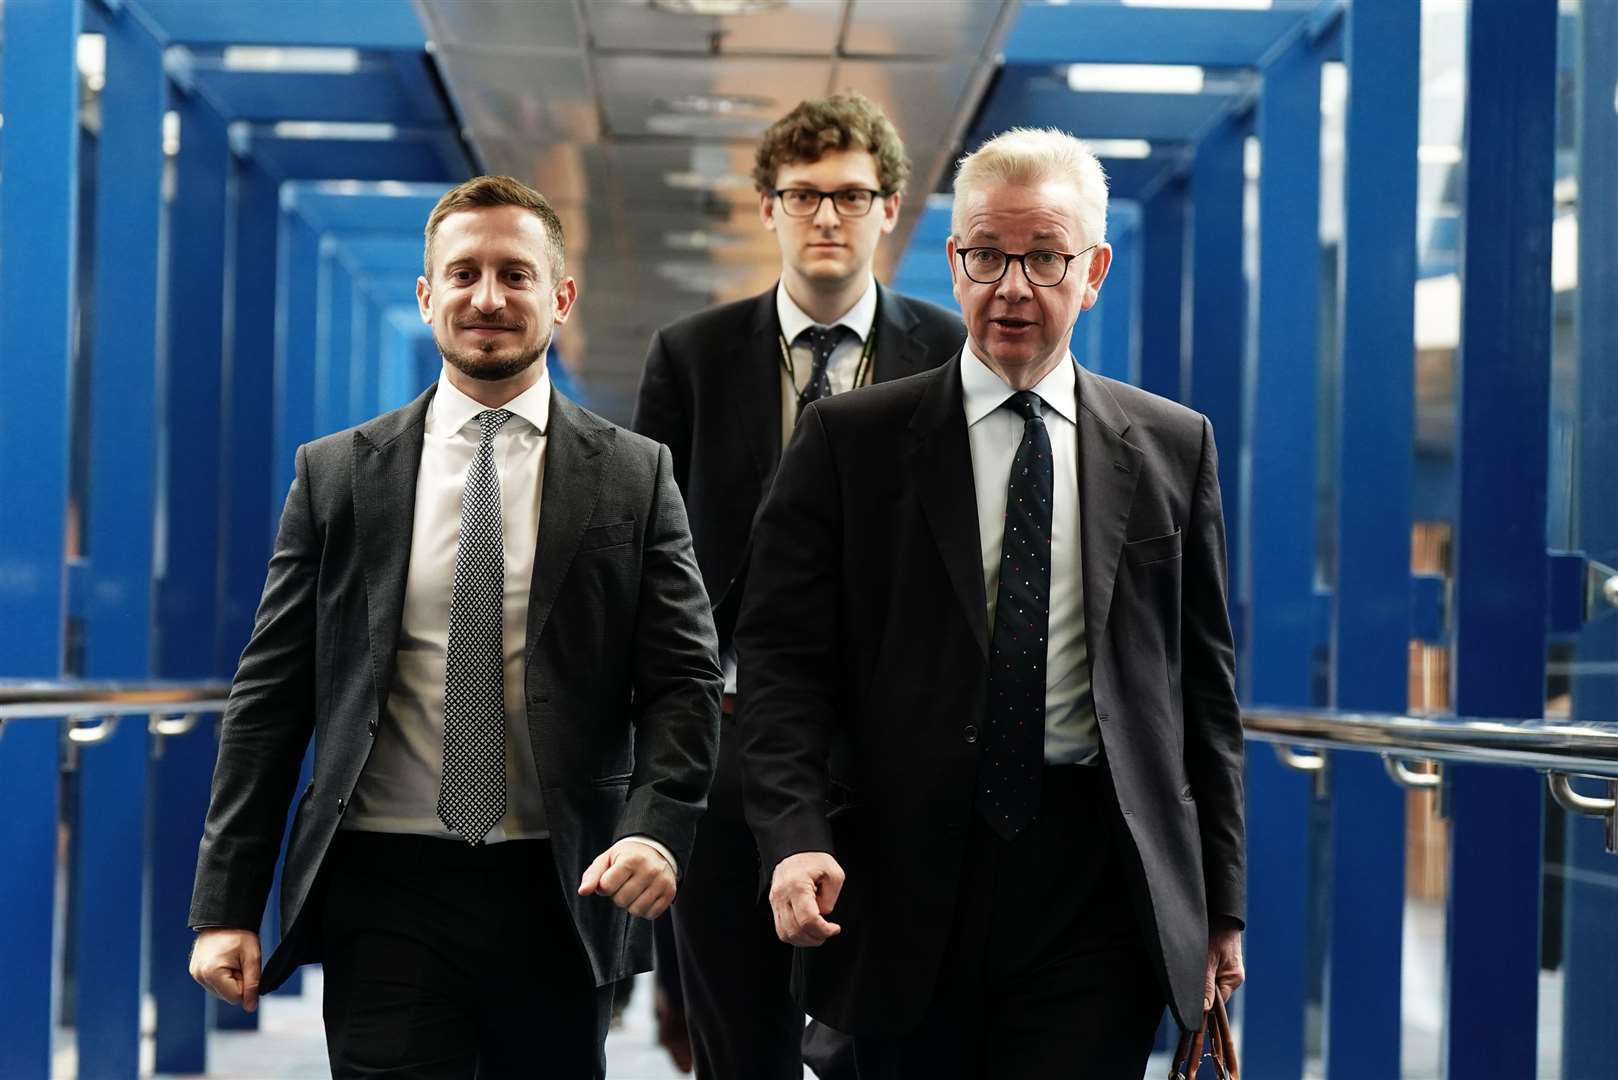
(1047, 975)
(734, 971)
(444, 960)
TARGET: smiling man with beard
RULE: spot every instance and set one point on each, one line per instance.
(485, 609)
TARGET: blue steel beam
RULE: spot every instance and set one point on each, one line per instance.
(1500, 565)
(1280, 608)
(1371, 625)
(1115, 312)
(1163, 243)
(39, 159)
(1113, 34)
(364, 389)
(386, 24)
(1589, 1039)
(334, 339)
(127, 409)
(189, 586)
(297, 298)
(1044, 102)
(338, 206)
(1213, 362)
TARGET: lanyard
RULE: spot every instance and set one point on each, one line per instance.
(862, 370)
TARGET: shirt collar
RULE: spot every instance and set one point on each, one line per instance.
(452, 410)
(984, 391)
(857, 318)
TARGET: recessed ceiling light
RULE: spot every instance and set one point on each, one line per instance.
(700, 240)
(707, 126)
(716, 7)
(1438, 154)
(320, 129)
(91, 54)
(697, 181)
(1120, 148)
(1135, 78)
(716, 104)
(294, 61)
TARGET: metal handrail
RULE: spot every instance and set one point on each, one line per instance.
(1586, 748)
(77, 701)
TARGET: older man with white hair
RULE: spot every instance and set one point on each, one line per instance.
(994, 750)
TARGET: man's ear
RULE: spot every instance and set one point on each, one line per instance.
(563, 297)
(1100, 263)
(890, 212)
(766, 210)
(424, 299)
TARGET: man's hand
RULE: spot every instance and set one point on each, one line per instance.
(226, 963)
(638, 879)
(803, 891)
(1225, 970)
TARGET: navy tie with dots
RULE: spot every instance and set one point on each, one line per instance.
(472, 794)
(822, 342)
(1014, 749)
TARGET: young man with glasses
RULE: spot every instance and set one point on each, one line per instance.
(723, 389)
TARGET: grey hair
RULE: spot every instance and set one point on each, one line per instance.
(1030, 156)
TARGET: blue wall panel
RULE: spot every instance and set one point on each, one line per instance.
(1163, 232)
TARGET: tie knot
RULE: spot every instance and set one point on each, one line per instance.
(822, 340)
(1025, 403)
(491, 421)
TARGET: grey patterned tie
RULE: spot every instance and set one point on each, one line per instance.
(822, 342)
(472, 795)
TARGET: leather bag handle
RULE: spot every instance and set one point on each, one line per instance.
(1214, 1036)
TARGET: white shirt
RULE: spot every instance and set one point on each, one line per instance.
(841, 370)
(398, 790)
(993, 434)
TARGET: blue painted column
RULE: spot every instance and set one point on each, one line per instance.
(1590, 953)
(1280, 606)
(126, 419)
(1213, 362)
(366, 375)
(297, 302)
(1371, 609)
(1500, 563)
(39, 158)
(189, 586)
(334, 340)
(1163, 231)
(1115, 311)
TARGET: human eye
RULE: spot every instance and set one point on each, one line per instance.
(1045, 260)
(984, 256)
(460, 276)
(798, 198)
(853, 198)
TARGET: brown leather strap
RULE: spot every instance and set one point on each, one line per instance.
(1214, 1034)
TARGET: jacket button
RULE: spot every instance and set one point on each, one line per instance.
(371, 726)
(535, 698)
(342, 807)
(971, 733)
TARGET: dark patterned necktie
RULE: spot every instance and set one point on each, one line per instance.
(822, 342)
(472, 795)
(1014, 751)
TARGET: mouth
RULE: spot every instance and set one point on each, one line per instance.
(486, 328)
(1010, 324)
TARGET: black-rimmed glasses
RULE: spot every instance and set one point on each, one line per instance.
(805, 202)
(1045, 268)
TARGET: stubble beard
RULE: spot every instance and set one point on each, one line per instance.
(483, 364)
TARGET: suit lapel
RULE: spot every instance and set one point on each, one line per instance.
(756, 387)
(577, 450)
(941, 467)
(1109, 468)
(897, 352)
(386, 459)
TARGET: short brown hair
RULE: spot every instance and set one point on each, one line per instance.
(846, 121)
(481, 191)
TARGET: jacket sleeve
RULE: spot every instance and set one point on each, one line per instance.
(1213, 722)
(677, 681)
(791, 691)
(265, 729)
(663, 408)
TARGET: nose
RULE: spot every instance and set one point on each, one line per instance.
(490, 296)
(1013, 286)
(826, 215)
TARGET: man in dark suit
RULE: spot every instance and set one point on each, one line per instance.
(1003, 584)
(485, 608)
(723, 389)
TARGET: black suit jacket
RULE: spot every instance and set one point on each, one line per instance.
(622, 672)
(711, 393)
(865, 616)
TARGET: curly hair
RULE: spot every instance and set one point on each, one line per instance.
(845, 121)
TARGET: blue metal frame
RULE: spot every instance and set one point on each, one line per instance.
(1371, 615)
(1100, 34)
(1500, 574)
(1590, 986)
(1281, 608)
(1113, 352)
(114, 783)
(1163, 242)
(334, 340)
(39, 150)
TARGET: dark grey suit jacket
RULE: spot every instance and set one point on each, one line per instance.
(622, 674)
(865, 617)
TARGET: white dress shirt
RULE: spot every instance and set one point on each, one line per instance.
(398, 790)
(993, 434)
(841, 370)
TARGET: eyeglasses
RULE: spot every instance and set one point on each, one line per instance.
(1047, 269)
(805, 202)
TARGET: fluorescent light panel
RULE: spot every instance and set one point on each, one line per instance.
(1120, 148)
(319, 129)
(291, 61)
(1204, 5)
(1135, 78)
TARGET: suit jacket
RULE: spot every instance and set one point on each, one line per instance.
(711, 393)
(865, 616)
(622, 675)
